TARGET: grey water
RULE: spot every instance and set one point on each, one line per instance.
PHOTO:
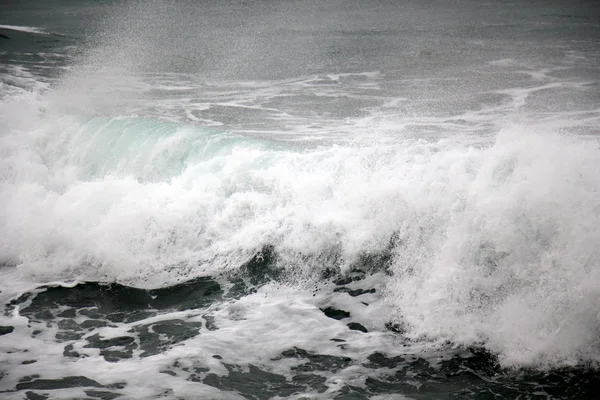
(299, 199)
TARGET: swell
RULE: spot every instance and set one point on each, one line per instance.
(495, 243)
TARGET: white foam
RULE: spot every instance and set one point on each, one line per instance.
(29, 29)
(498, 243)
(252, 330)
(504, 251)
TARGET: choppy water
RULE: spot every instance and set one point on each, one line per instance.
(229, 200)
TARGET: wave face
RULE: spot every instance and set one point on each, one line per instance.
(329, 208)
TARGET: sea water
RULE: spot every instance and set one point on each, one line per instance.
(300, 200)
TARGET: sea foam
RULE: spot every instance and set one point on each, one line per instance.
(493, 244)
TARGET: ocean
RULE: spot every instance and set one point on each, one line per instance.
(299, 199)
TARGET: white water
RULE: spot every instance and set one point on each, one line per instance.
(486, 178)
(504, 250)
(496, 243)
(29, 29)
